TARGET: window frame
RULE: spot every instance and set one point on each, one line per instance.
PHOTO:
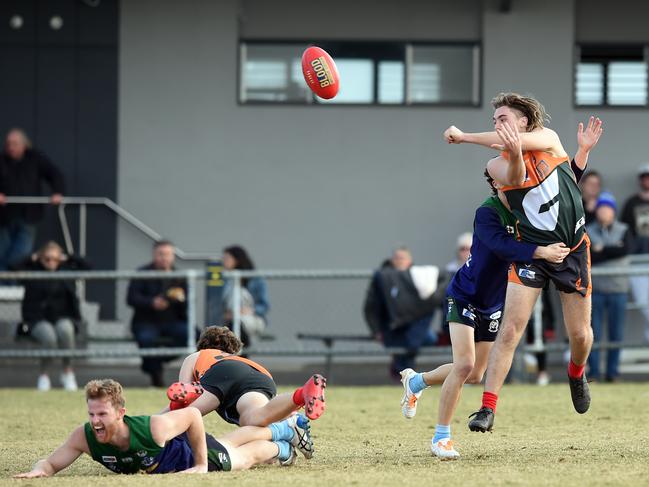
(605, 60)
(407, 45)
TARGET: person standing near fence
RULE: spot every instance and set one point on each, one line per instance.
(160, 310)
(636, 215)
(22, 170)
(50, 309)
(611, 243)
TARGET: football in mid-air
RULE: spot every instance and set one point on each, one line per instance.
(320, 72)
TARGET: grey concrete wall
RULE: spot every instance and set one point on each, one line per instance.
(326, 187)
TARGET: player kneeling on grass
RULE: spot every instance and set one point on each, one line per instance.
(164, 443)
(241, 391)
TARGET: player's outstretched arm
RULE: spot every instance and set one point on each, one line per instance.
(587, 139)
(543, 139)
(166, 426)
(62, 457)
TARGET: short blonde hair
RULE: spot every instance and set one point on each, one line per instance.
(106, 389)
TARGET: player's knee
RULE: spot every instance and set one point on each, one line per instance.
(253, 418)
(582, 337)
(509, 336)
(463, 368)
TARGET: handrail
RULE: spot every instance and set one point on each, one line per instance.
(128, 217)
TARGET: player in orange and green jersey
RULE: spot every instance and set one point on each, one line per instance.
(539, 182)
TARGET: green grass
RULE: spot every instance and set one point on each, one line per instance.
(363, 440)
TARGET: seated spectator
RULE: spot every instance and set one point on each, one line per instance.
(611, 242)
(590, 185)
(50, 309)
(254, 295)
(397, 312)
(22, 170)
(160, 310)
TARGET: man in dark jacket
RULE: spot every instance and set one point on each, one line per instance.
(160, 310)
(22, 170)
(396, 314)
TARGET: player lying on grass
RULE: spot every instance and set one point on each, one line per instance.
(476, 297)
(241, 391)
(171, 442)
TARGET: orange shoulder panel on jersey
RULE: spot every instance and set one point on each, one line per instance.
(211, 356)
(538, 166)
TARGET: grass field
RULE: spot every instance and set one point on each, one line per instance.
(362, 440)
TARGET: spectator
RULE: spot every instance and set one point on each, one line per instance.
(462, 252)
(160, 310)
(397, 313)
(636, 215)
(50, 309)
(611, 243)
(254, 295)
(22, 170)
(591, 185)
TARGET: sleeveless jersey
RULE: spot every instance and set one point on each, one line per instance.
(548, 203)
(212, 356)
(144, 454)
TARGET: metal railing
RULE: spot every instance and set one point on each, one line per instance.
(190, 276)
(83, 203)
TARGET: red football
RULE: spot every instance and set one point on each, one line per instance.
(320, 72)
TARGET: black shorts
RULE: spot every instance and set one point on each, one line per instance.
(218, 458)
(485, 325)
(229, 380)
(570, 276)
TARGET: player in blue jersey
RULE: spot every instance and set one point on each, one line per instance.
(476, 297)
(171, 442)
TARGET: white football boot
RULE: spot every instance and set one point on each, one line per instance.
(409, 399)
(443, 449)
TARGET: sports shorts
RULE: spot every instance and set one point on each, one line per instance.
(570, 276)
(485, 325)
(229, 380)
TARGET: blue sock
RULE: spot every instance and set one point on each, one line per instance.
(442, 431)
(281, 431)
(417, 383)
(284, 450)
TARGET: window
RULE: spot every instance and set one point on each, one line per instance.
(611, 76)
(371, 73)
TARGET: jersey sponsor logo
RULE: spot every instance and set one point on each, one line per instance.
(127, 460)
(147, 461)
(141, 453)
(510, 230)
(108, 459)
(526, 273)
(496, 315)
(541, 204)
(493, 326)
(468, 314)
(542, 169)
(580, 223)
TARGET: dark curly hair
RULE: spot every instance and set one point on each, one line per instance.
(220, 338)
(490, 182)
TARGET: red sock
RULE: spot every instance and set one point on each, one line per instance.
(298, 397)
(575, 371)
(489, 400)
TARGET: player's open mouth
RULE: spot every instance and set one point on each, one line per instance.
(100, 431)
